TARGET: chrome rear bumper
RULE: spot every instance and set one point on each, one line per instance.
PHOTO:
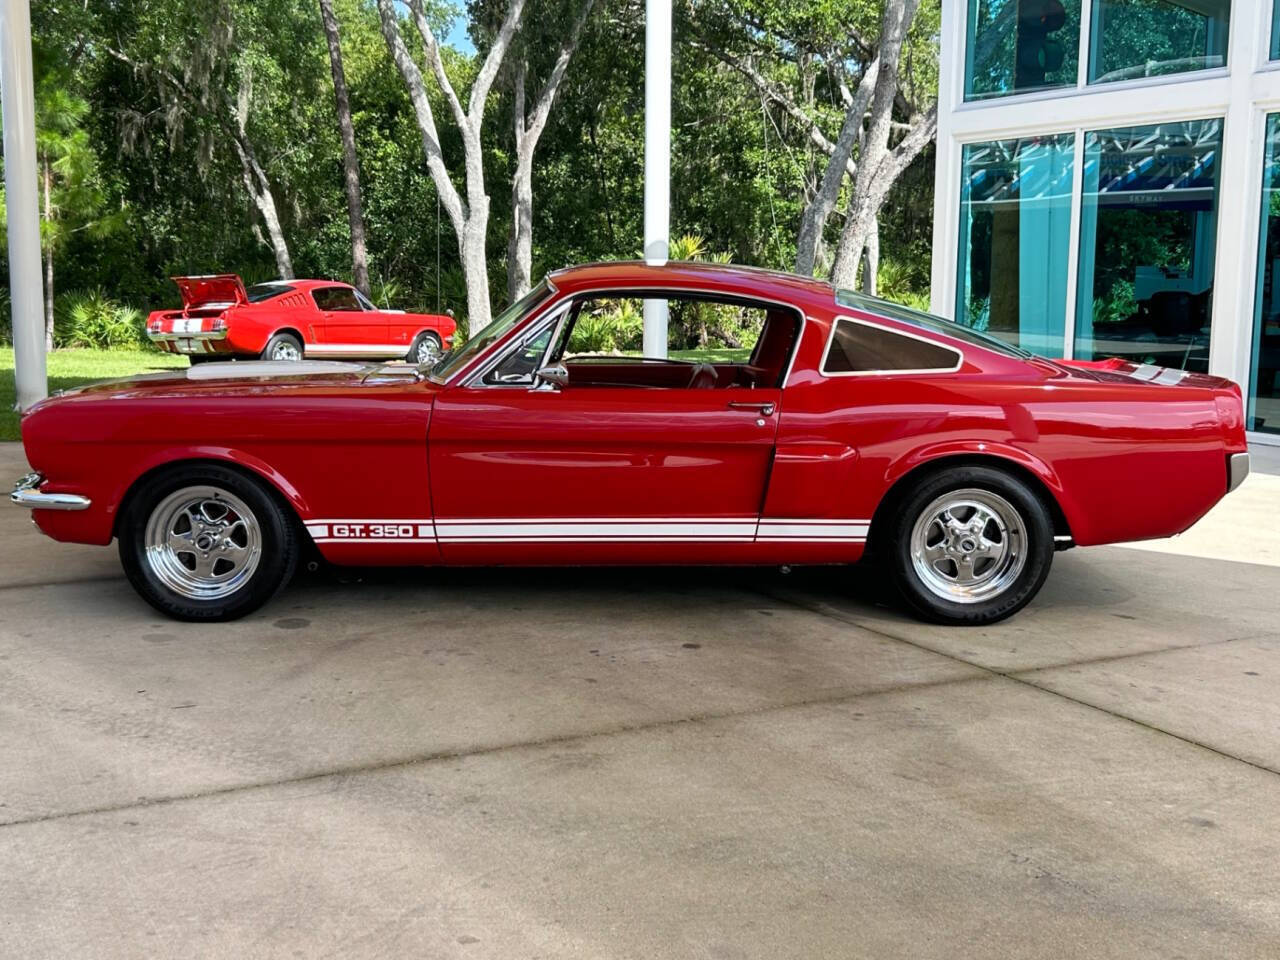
(26, 493)
(1237, 470)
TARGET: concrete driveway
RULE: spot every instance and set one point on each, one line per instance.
(643, 764)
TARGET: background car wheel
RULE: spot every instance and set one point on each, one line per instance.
(971, 545)
(206, 543)
(283, 346)
(427, 348)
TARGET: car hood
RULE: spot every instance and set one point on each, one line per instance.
(248, 376)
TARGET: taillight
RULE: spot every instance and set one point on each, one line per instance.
(155, 326)
(220, 323)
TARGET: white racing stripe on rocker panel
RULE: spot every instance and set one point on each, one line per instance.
(587, 530)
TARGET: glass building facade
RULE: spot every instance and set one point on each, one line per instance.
(1107, 187)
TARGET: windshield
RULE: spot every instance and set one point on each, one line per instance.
(265, 291)
(457, 359)
(927, 321)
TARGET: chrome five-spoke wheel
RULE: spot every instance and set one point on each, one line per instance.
(206, 541)
(285, 350)
(203, 543)
(968, 545)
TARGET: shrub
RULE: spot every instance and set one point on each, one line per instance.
(609, 331)
(95, 320)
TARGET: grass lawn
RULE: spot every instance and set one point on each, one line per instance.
(714, 355)
(73, 368)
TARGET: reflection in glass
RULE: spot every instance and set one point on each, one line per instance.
(1018, 45)
(1015, 231)
(1275, 30)
(1148, 227)
(1148, 38)
(1264, 376)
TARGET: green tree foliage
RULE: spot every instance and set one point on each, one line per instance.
(153, 103)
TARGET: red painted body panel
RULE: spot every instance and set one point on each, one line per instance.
(393, 470)
(221, 321)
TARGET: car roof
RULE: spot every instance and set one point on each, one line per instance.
(728, 278)
(297, 284)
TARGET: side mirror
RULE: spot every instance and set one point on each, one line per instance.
(555, 373)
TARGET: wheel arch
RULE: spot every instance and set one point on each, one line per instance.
(252, 468)
(905, 474)
(291, 330)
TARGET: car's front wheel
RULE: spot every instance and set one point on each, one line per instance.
(970, 545)
(205, 542)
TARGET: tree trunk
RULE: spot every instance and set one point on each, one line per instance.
(475, 268)
(528, 131)
(818, 210)
(520, 243)
(871, 259)
(48, 257)
(350, 162)
(869, 187)
(259, 187)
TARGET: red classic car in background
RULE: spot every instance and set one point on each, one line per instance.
(290, 319)
(849, 426)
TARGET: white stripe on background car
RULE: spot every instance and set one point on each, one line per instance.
(588, 530)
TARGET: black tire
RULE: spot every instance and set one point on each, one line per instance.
(282, 341)
(424, 337)
(153, 575)
(925, 591)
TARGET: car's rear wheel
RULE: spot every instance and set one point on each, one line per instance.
(427, 349)
(283, 346)
(206, 543)
(970, 545)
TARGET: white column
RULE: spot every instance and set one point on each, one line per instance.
(20, 183)
(946, 178)
(657, 161)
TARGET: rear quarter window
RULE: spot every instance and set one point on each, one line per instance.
(861, 347)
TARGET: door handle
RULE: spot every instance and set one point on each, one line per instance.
(765, 408)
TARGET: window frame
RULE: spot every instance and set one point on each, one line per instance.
(918, 371)
(553, 318)
(560, 313)
(1084, 66)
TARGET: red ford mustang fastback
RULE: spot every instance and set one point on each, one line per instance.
(849, 426)
(290, 319)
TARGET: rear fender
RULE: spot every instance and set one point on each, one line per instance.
(992, 451)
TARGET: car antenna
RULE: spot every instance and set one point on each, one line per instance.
(437, 251)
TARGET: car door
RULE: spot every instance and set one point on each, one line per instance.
(345, 327)
(524, 472)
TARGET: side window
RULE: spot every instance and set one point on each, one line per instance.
(336, 299)
(860, 347)
(699, 330)
(712, 342)
(364, 302)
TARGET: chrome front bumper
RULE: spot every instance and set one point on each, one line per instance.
(1237, 470)
(26, 493)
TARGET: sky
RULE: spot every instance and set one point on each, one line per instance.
(457, 36)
